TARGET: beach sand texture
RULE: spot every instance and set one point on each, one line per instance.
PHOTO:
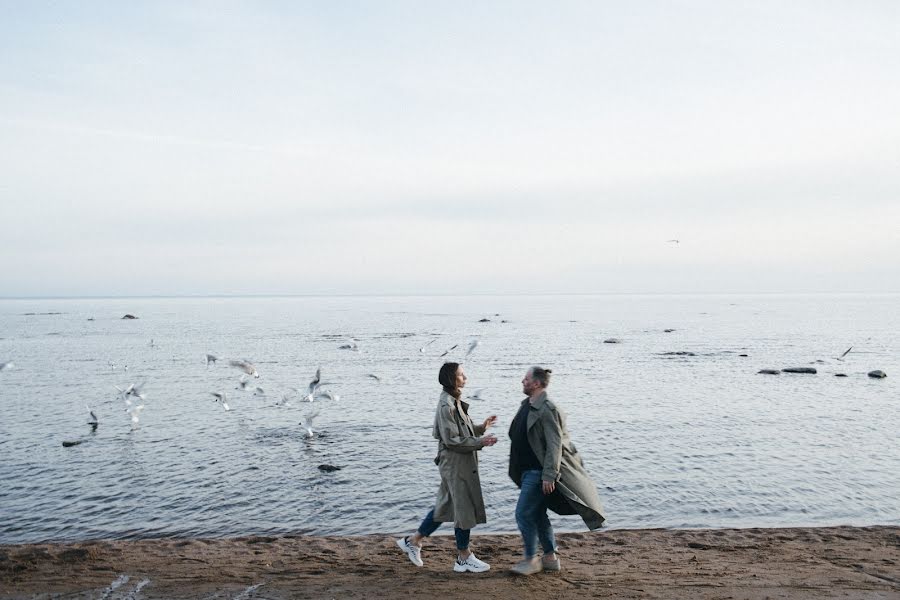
(829, 562)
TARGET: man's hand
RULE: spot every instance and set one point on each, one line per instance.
(548, 487)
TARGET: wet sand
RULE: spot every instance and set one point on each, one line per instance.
(833, 562)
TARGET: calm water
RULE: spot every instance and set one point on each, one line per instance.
(685, 441)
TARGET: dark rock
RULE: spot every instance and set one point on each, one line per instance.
(803, 370)
(744, 355)
(877, 374)
(768, 372)
(484, 320)
(840, 374)
(329, 468)
(668, 330)
(70, 443)
(90, 318)
(612, 341)
(677, 353)
(129, 316)
(504, 321)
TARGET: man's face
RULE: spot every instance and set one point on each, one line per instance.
(529, 385)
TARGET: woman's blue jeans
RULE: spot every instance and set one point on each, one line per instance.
(429, 525)
(531, 515)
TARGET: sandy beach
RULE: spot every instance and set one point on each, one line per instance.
(832, 562)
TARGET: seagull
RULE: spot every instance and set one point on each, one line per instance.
(134, 411)
(245, 366)
(374, 376)
(350, 346)
(151, 344)
(132, 390)
(307, 422)
(242, 383)
(476, 395)
(447, 351)
(472, 345)
(422, 349)
(258, 391)
(846, 352)
(314, 385)
(328, 394)
(6, 365)
(676, 242)
(94, 421)
(220, 397)
(211, 358)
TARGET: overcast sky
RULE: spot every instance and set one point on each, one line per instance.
(449, 147)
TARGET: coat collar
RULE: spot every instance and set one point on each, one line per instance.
(536, 408)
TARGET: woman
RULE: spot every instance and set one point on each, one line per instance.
(459, 497)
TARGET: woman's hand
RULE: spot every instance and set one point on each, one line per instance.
(490, 422)
(489, 440)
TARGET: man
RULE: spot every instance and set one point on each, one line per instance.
(547, 468)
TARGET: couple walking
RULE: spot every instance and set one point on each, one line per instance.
(543, 463)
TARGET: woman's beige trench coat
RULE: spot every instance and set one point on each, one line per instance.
(459, 497)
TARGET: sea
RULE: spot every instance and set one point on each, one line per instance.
(663, 397)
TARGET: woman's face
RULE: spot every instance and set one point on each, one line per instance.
(460, 378)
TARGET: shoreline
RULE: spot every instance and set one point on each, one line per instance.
(753, 563)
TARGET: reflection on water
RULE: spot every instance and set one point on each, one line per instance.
(677, 428)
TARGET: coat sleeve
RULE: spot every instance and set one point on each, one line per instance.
(551, 423)
(450, 436)
(479, 428)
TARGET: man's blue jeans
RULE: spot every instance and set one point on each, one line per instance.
(531, 515)
(429, 526)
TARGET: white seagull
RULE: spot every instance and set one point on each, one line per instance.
(472, 345)
(245, 366)
(220, 397)
(307, 422)
(6, 365)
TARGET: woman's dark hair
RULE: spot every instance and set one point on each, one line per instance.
(447, 378)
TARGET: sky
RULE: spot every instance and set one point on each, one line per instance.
(408, 147)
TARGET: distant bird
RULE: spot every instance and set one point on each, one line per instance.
(220, 397)
(352, 345)
(94, 421)
(448, 350)
(135, 412)
(422, 349)
(328, 394)
(284, 401)
(374, 376)
(245, 366)
(472, 345)
(133, 390)
(6, 365)
(676, 242)
(313, 386)
(111, 365)
(846, 352)
(258, 391)
(307, 422)
(242, 383)
(211, 358)
(476, 395)
(151, 344)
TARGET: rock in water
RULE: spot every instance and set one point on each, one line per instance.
(68, 444)
(612, 341)
(840, 374)
(768, 372)
(484, 320)
(878, 374)
(805, 370)
(668, 330)
(329, 468)
(129, 316)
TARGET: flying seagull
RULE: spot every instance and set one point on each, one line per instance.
(676, 242)
(472, 345)
(422, 349)
(220, 397)
(6, 365)
(211, 358)
(245, 366)
(476, 395)
(447, 351)
(307, 422)
(94, 421)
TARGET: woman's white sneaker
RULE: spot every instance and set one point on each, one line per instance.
(471, 564)
(412, 551)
